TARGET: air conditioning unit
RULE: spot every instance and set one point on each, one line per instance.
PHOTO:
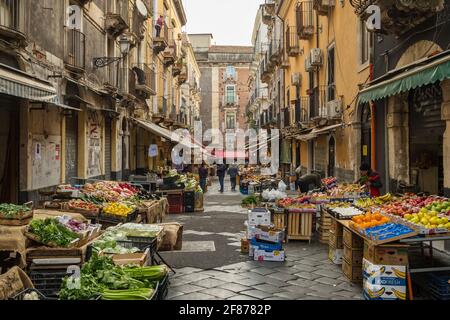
(316, 57)
(308, 66)
(296, 79)
(334, 108)
(323, 6)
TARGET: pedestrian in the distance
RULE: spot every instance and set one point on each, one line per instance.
(203, 174)
(221, 171)
(233, 171)
(370, 179)
(158, 26)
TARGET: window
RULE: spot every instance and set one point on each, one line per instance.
(231, 121)
(331, 92)
(364, 43)
(230, 94)
(231, 72)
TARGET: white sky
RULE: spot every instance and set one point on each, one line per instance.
(230, 21)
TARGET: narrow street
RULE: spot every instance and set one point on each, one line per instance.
(211, 267)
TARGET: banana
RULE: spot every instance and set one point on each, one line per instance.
(378, 272)
(399, 274)
(399, 295)
(376, 294)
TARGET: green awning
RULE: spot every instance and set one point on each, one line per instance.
(414, 77)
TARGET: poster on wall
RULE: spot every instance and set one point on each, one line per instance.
(153, 151)
(46, 164)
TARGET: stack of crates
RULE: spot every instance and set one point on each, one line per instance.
(176, 202)
(324, 226)
(189, 201)
(335, 241)
(353, 256)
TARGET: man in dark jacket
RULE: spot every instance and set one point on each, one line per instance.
(221, 171)
(203, 174)
(306, 181)
(233, 171)
(371, 179)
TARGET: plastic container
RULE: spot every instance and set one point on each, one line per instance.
(48, 282)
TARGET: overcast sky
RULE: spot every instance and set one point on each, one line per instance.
(230, 21)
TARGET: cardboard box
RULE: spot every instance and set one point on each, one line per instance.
(386, 254)
(266, 234)
(335, 241)
(245, 246)
(353, 272)
(353, 256)
(384, 282)
(335, 255)
(352, 240)
(262, 255)
(259, 217)
(266, 246)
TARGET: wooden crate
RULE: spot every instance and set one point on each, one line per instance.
(353, 240)
(353, 273)
(279, 220)
(353, 256)
(300, 226)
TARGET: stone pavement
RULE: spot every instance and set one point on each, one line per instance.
(307, 274)
(217, 271)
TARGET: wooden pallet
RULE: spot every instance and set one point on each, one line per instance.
(300, 226)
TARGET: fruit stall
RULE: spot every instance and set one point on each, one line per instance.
(111, 231)
(388, 244)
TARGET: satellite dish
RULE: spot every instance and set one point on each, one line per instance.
(142, 8)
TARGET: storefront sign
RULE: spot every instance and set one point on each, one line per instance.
(374, 21)
(73, 17)
(153, 151)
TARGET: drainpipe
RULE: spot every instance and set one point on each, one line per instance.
(373, 159)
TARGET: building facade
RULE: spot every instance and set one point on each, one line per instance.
(80, 91)
(224, 83)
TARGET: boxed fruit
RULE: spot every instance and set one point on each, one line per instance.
(259, 217)
(353, 272)
(335, 255)
(353, 256)
(383, 282)
(352, 240)
(262, 255)
(265, 233)
(386, 254)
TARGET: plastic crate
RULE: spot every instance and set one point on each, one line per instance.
(142, 244)
(24, 292)
(48, 282)
(163, 288)
(439, 285)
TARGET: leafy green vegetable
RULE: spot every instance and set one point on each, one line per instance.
(50, 230)
(11, 210)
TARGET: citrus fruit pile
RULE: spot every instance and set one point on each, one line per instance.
(370, 220)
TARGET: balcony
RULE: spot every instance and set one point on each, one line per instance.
(177, 67)
(266, 69)
(115, 78)
(230, 101)
(305, 19)
(183, 76)
(268, 12)
(160, 43)
(399, 17)
(170, 54)
(12, 22)
(171, 118)
(118, 21)
(143, 80)
(303, 108)
(75, 51)
(323, 7)
(292, 46)
(161, 114)
(275, 52)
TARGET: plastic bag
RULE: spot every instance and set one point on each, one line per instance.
(282, 186)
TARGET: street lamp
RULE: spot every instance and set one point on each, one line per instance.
(124, 45)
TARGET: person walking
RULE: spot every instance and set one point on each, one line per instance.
(158, 26)
(233, 171)
(221, 171)
(371, 179)
(203, 174)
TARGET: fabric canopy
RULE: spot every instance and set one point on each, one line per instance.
(318, 131)
(409, 78)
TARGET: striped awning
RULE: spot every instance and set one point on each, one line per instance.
(16, 83)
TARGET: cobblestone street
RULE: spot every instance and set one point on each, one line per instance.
(211, 267)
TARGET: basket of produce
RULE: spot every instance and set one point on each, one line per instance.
(30, 294)
(14, 215)
(250, 202)
(87, 209)
(100, 276)
(52, 233)
(117, 212)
